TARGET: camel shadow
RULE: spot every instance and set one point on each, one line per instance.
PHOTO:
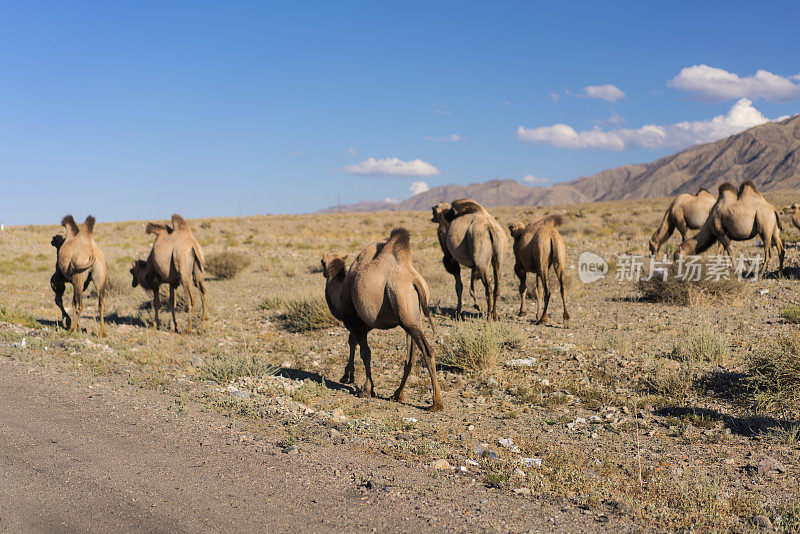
(113, 318)
(450, 312)
(788, 273)
(748, 426)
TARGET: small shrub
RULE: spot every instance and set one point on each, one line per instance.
(304, 314)
(701, 292)
(17, 317)
(703, 347)
(475, 345)
(226, 265)
(775, 374)
(791, 314)
(224, 368)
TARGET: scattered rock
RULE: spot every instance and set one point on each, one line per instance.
(770, 464)
(492, 382)
(535, 462)
(196, 361)
(521, 362)
(239, 394)
(763, 522)
(506, 442)
(519, 473)
(291, 449)
(441, 465)
(522, 491)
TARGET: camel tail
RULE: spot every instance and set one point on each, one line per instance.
(179, 223)
(198, 256)
(778, 220)
(422, 294)
(87, 228)
(68, 222)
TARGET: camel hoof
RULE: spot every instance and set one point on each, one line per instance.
(347, 378)
(396, 397)
(543, 320)
(364, 394)
(437, 407)
(522, 314)
(102, 334)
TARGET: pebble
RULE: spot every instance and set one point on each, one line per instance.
(522, 491)
(196, 361)
(770, 464)
(291, 449)
(441, 465)
(506, 442)
(492, 382)
(241, 394)
(763, 521)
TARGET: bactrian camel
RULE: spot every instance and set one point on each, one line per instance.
(175, 259)
(537, 247)
(471, 237)
(794, 212)
(381, 290)
(78, 261)
(738, 216)
(685, 212)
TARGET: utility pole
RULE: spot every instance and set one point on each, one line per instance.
(497, 191)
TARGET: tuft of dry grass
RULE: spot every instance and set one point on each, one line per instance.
(224, 368)
(705, 346)
(226, 265)
(475, 345)
(791, 314)
(703, 292)
(8, 315)
(301, 313)
(775, 374)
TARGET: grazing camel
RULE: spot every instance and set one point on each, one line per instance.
(794, 211)
(685, 212)
(738, 216)
(79, 261)
(175, 257)
(470, 236)
(381, 290)
(537, 247)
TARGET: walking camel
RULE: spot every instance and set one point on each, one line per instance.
(537, 247)
(470, 236)
(176, 257)
(381, 290)
(79, 261)
(685, 212)
(738, 216)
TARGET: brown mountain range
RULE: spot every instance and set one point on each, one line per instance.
(769, 155)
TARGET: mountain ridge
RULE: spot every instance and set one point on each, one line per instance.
(768, 155)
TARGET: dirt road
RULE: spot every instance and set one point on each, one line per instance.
(107, 457)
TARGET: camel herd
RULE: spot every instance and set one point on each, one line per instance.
(382, 290)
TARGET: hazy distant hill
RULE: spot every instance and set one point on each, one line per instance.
(769, 155)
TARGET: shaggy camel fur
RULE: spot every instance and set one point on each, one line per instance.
(175, 257)
(79, 261)
(685, 212)
(794, 211)
(738, 216)
(470, 236)
(381, 290)
(537, 247)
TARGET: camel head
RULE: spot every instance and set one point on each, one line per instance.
(439, 211)
(333, 264)
(792, 209)
(651, 244)
(58, 240)
(687, 248)
(516, 229)
(139, 274)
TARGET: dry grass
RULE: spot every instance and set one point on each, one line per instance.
(226, 265)
(704, 346)
(226, 367)
(775, 374)
(301, 313)
(475, 345)
(791, 314)
(8, 315)
(702, 292)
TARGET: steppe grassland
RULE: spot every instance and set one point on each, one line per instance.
(674, 378)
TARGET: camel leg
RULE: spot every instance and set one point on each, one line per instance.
(452, 266)
(473, 275)
(430, 360)
(349, 370)
(496, 289)
(523, 288)
(398, 394)
(156, 304)
(58, 284)
(563, 297)
(366, 356)
(101, 304)
(543, 276)
(77, 300)
(187, 289)
(779, 245)
(172, 307)
(201, 286)
(484, 278)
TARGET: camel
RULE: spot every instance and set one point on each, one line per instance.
(537, 247)
(381, 290)
(470, 236)
(794, 212)
(738, 216)
(79, 261)
(175, 257)
(685, 212)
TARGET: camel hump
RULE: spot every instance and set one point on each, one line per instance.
(747, 185)
(399, 243)
(727, 187)
(179, 223)
(68, 222)
(556, 219)
(702, 190)
(87, 228)
(462, 206)
(157, 228)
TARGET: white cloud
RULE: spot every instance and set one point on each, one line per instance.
(531, 179)
(555, 97)
(716, 85)
(352, 151)
(440, 110)
(392, 167)
(741, 116)
(608, 92)
(418, 187)
(452, 138)
(390, 200)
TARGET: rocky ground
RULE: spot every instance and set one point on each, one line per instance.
(638, 416)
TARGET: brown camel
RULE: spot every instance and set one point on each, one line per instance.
(79, 261)
(537, 247)
(175, 257)
(794, 212)
(381, 290)
(685, 212)
(470, 236)
(738, 216)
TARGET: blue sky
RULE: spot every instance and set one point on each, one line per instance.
(133, 110)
